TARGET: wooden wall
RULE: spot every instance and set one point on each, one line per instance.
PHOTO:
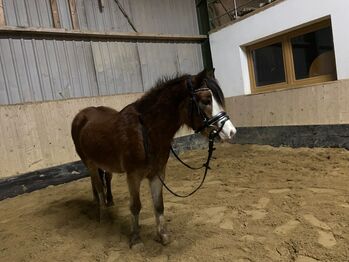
(321, 104)
(37, 135)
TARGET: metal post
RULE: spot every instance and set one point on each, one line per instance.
(204, 28)
(236, 10)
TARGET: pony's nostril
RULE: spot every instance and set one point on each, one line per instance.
(232, 132)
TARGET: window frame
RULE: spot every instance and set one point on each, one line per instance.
(290, 77)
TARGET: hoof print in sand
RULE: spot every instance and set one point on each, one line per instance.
(326, 239)
(311, 219)
(287, 227)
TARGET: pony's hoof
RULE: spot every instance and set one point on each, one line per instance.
(163, 238)
(104, 216)
(109, 203)
(103, 219)
(139, 247)
(136, 243)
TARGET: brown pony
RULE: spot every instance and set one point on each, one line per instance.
(137, 139)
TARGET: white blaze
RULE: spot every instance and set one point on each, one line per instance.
(228, 130)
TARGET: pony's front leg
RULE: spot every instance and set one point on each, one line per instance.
(134, 183)
(156, 192)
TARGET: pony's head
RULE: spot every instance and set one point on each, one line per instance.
(206, 106)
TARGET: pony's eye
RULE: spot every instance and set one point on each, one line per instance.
(206, 102)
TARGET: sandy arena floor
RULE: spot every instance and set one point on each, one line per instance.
(259, 203)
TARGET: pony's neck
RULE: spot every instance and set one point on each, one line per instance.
(162, 110)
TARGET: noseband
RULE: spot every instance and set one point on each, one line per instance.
(207, 122)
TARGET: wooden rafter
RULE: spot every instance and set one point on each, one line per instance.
(101, 5)
(55, 14)
(73, 14)
(56, 33)
(2, 17)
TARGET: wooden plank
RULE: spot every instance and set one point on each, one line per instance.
(74, 14)
(295, 136)
(343, 103)
(101, 5)
(331, 103)
(45, 32)
(29, 140)
(2, 16)
(35, 180)
(320, 104)
(55, 14)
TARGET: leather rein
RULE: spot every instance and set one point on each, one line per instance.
(221, 117)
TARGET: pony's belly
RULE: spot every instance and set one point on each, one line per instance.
(114, 166)
(113, 149)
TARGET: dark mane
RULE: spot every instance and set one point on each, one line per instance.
(217, 92)
(152, 95)
(168, 80)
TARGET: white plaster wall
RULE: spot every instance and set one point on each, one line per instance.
(228, 54)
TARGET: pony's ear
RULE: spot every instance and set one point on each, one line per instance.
(199, 78)
(210, 73)
(206, 73)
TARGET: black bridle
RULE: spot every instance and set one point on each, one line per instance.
(207, 122)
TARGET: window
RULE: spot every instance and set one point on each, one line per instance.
(268, 65)
(301, 57)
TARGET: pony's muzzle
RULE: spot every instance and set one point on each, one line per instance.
(227, 131)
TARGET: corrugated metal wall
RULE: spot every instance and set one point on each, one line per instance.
(165, 16)
(36, 13)
(111, 19)
(151, 16)
(41, 69)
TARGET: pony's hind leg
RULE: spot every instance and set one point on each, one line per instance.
(134, 183)
(156, 192)
(106, 177)
(98, 190)
(95, 193)
(110, 200)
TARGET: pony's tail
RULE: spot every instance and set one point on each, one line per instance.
(78, 123)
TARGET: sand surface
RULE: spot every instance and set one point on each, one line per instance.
(259, 203)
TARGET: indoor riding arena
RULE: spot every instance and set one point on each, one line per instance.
(276, 187)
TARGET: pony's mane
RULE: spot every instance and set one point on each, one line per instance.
(169, 80)
(147, 100)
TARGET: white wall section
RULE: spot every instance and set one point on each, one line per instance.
(227, 44)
